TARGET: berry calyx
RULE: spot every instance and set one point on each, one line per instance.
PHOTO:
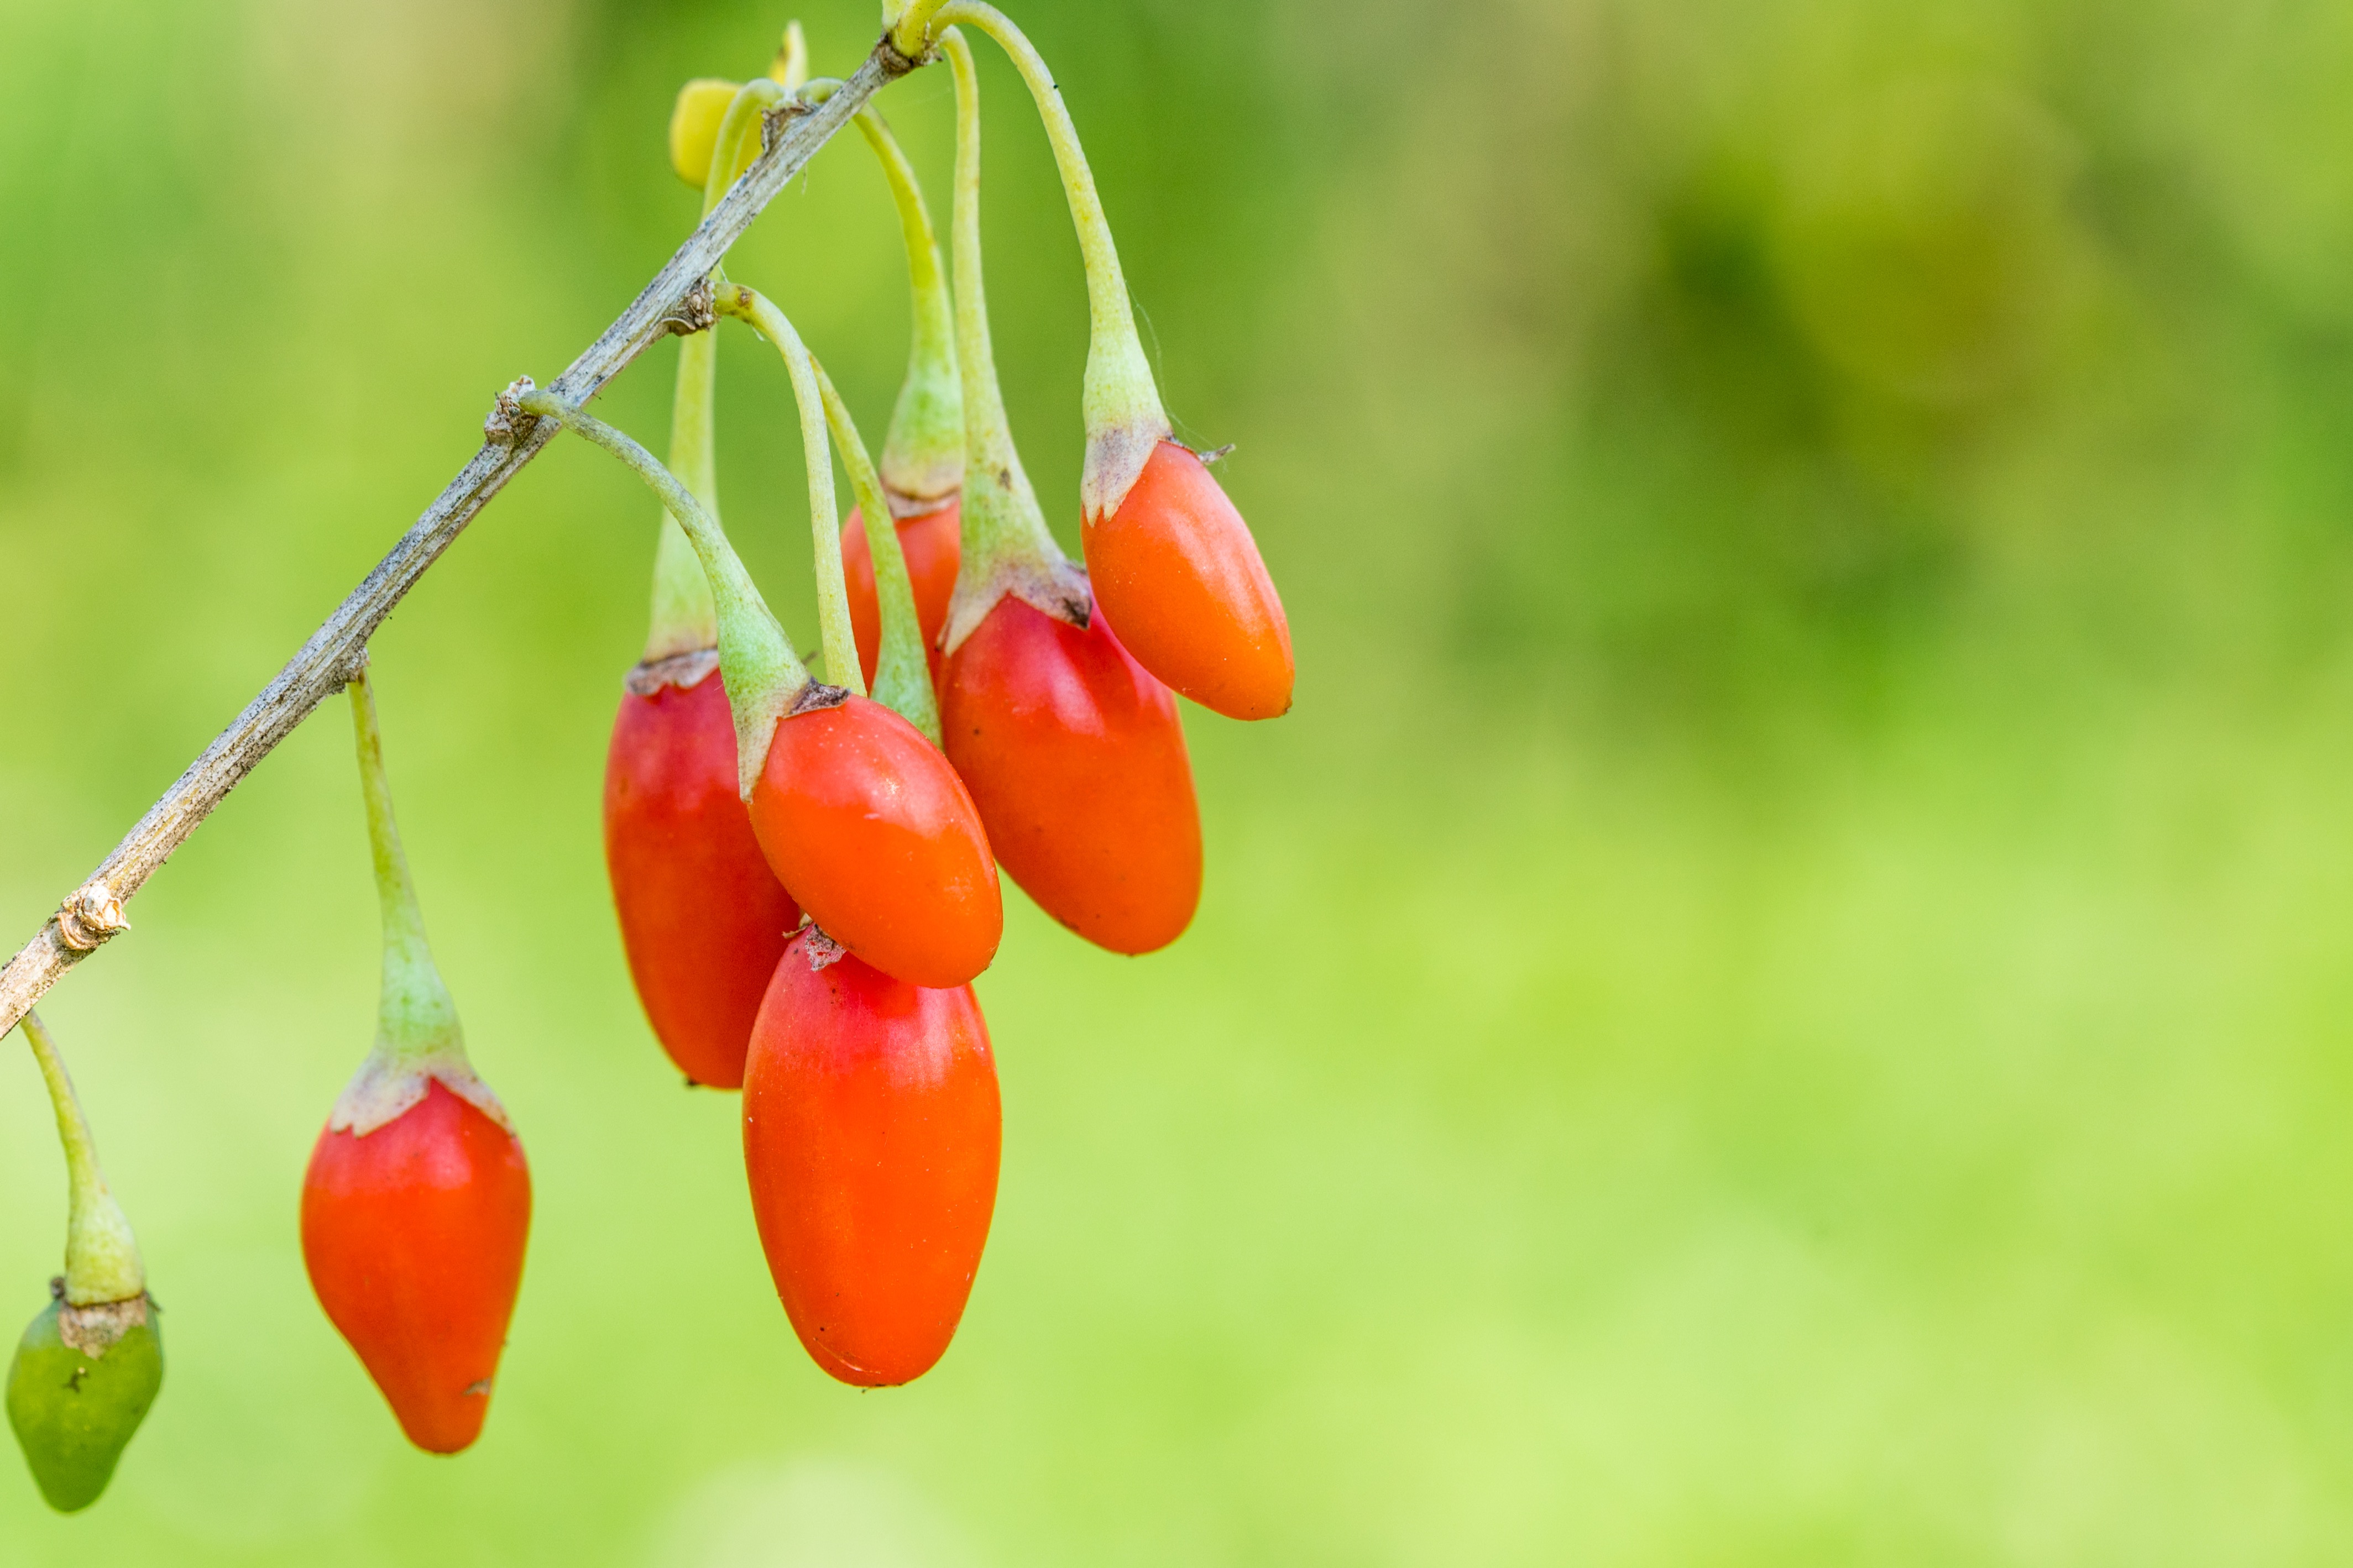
(416, 1202)
(872, 1134)
(91, 1363)
(1176, 571)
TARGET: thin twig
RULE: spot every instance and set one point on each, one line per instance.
(94, 911)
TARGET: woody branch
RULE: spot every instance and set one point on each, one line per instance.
(678, 299)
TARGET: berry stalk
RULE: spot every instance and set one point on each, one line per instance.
(761, 673)
(756, 309)
(103, 1261)
(1008, 549)
(418, 1040)
(923, 451)
(685, 619)
(903, 679)
(1124, 418)
(88, 1367)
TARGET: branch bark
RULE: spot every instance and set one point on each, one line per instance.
(93, 912)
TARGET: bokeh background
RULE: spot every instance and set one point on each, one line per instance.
(1784, 995)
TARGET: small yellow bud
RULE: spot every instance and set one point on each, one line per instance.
(694, 126)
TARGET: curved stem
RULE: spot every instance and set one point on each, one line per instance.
(825, 522)
(923, 452)
(761, 673)
(1124, 418)
(103, 1261)
(740, 125)
(1007, 545)
(685, 619)
(902, 676)
(415, 1018)
(908, 24)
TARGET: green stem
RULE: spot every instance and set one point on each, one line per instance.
(1124, 418)
(101, 1257)
(923, 452)
(685, 618)
(763, 675)
(902, 676)
(1008, 547)
(1002, 515)
(825, 522)
(738, 141)
(416, 1021)
(908, 24)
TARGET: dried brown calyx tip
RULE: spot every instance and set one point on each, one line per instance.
(773, 121)
(95, 1329)
(693, 314)
(679, 669)
(822, 950)
(815, 698)
(905, 506)
(88, 919)
(508, 423)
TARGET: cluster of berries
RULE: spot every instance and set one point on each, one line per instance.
(806, 871)
(818, 948)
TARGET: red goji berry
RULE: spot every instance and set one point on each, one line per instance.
(871, 1131)
(1176, 569)
(1075, 755)
(703, 920)
(868, 825)
(413, 1234)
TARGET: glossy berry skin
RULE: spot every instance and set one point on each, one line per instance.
(1076, 756)
(703, 918)
(873, 833)
(413, 1237)
(1178, 573)
(871, 1129)
(933, 546)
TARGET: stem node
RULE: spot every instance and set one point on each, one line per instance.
(692, 313)
(91, 918)
(509, 422)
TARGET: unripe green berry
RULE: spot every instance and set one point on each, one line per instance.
(80, 1383)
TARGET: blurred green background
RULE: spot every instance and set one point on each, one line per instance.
(1781, 998)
